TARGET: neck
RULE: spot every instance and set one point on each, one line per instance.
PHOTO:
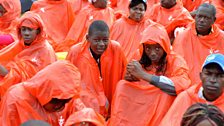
(209, 97)
(204, 32)
(95, 56)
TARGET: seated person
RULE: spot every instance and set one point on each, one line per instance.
(208, 91)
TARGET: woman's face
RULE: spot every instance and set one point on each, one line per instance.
(28, 34)
(154, 52)
(137, 12)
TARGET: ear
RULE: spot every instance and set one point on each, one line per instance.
(200, 74)
(87, 37)
(38, 31)
(214, 19)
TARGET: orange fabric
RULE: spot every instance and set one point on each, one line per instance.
(82, 21)
(219, 5)
(172, 18)
(194, 49)
(57, 16)
(96, 87)
(192, 5)
(185, 100)
(140, 103)
(87, 112)
(23, 61)
(128, 33)
(25, 101)
(77, 5)
(9, 20)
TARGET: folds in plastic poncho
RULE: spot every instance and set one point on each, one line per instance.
(172, 18)
(98, 85)
(185, 100)
(129, 33)
(57, 16)
(219, 5)
(195, 48)
(25, 101)
(192, 5)
(140, 103)
(23, 61)
(82, 22)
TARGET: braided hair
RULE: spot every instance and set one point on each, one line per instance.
(200, 112)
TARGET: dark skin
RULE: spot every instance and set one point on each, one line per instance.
(136, 72)
(168, 3)
(100, 4)
(212, 78)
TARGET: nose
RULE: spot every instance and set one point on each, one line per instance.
(213, 79)
(153, 52)
(202, 19)
(26, 32)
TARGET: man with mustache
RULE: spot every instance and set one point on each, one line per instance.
(209, 91)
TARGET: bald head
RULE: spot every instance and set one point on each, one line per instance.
(98, 25)
(210, 7)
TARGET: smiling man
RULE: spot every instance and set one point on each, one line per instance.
(209, 91)
(199, 40)
(101, 63)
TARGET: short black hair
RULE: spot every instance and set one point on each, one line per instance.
(134, 3)
(97, 25)
(209, 6)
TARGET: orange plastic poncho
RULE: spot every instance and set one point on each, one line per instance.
(23, 61)
(83, 20)
(195, 48)
(192, 5)
(219, 5)
(77, 5)
(140, 103)
(185, 100)
(57, 16)
(96, 86)
(9, 20)
(25, 101)
(129, 33)
(172, 18)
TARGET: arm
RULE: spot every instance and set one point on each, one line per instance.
(162, 82)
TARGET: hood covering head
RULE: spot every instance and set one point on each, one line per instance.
(156, 34)
(13, 10)
(34, 21)
(59, 80)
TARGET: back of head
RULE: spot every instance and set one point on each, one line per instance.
(98, 25)
(199, 112)
(60, 80)
(35, 123)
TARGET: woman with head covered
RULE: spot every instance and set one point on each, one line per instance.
(25, 57)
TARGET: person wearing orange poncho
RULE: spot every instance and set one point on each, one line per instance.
(209, 91)
(101, 62)
(171, 14)
(199, 40)
(219, 5)
(151, 83)
(58, 17)
(127, 30)
(52, 95)
(25, 57)
(10, 11)
(97, 10)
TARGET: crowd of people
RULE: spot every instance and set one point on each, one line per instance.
(112, 63)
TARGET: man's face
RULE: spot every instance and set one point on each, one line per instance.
(101, 4)
(204, 19)
(99, 41)
(137, 12)
(212, 78)
(28, 34)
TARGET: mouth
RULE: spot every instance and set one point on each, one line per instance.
(212, 88)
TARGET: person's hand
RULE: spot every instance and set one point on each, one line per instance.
(130, 77)
(135, 69)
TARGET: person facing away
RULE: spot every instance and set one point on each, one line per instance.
(128, 30)
(208, 91)
(171, 14)
(101, 63)
(152, 80)
(199, 40)
(58, 17)
(25, 57)
(97, 10)
(200, 114)
(52, 95)
(10, 11)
